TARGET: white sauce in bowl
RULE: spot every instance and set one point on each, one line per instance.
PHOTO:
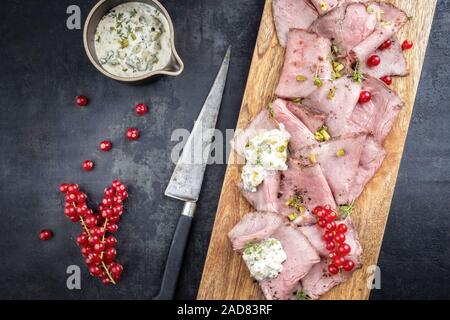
(133, 39)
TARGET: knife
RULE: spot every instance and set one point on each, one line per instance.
(187, 179)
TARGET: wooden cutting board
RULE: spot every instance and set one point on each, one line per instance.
(225, 276)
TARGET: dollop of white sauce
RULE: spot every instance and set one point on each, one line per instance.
(133, 39)
(265, 152)
(265, 259)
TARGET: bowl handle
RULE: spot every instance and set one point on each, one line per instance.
(176, 66)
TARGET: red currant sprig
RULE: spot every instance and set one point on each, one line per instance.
(334, 237)
(97, 246)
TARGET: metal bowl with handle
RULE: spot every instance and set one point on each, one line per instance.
(173, 68)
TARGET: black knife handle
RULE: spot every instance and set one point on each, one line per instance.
(175, 257)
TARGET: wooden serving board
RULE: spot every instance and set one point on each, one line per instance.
(225, 275)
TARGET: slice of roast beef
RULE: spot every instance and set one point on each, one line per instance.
(325, 6)
(393, 62)
(307, 59)
(372, 157)
(301, 256)
(262, 122)
(313, 119)
(347, 26)
(255, 227)
(378, 116)
(390, 20)
(266, 196)
(339, 159)
(300, 134)
(291, 14)
(302, 189)
(318, 281)
(337, 99)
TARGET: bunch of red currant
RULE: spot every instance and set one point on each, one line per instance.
(96, 242)
(334, 238)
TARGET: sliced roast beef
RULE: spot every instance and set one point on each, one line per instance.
(339, 159)
(254, 227)
(346, 26)
(390, 19)
(307, 60)
(393, 62)
(291, 14)
(372, 157)
(318, 281)
(300, 134)
(266, 196)
(325, 6)
(302, 189)
(262, 122)
(313, 119)
(379, 114)
(337, 99)
(301, 256)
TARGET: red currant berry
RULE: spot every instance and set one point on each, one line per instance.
(132, 134)
(332, 255)
(105, 145)
(71, 197)
(331, 216)
(75, 219)
(387, 80)
(110, 192)
(82, 239)
(125, 194)
(95, 270)
(88, 165)
(342, 228)
(317, 209)
(339, 261)
(81, 197)
(332, 269)
(373, 61)
(339, 238)
(94, 239)
(114, 219)
(85, 251)
(322, 223)
(330, 245)
(81, 101)
(107, 213)
(407, 44)
(141, 109)
(107, 202)
(98, 231)
(116, 183)
(93, 259)
(330, 226)
(328, 236)
(386, 45)
(112, 227)
(106, 281)
(63, 187)
(90, 221)
(110, 241)
(45, 235)
(110, 254)
(99, 247)
(348, 265)
(344, 249)
(364, 97)
(116, 269)
(73, 188)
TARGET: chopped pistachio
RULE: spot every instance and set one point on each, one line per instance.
(271, 111)
(337, 66)
(340, 153)
(369, 9)
(296, 202)
(281, 148)
(297, 100)
(323, 6)
(335, 49)
(312, 158)
(332, 93)
(356, 74)
(322, 135)
(301, 78)
(124, 43)
(317, 82)
(292, 216)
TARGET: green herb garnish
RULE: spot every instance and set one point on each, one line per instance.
(346, 209)
(300, 295)
(356, 74)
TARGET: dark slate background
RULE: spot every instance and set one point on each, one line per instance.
(44, 138)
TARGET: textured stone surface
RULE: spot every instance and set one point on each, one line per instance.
(45, 137)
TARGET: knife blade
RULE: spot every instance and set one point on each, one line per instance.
(187, 178)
